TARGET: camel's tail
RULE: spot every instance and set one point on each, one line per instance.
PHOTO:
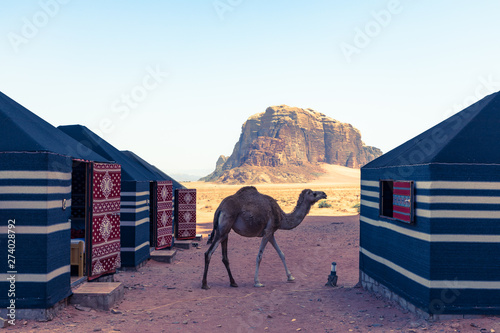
(216, 225)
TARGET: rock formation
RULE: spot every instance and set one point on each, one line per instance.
(286, 144)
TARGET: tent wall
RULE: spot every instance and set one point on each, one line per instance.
(447, 261)
(33, 187)
(391, 251)
(134, 214)
(465, 245)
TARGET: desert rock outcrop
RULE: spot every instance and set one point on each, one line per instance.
(286, 144)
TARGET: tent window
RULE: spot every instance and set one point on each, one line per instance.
(397, 200)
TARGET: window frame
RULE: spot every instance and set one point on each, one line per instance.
(386, 206)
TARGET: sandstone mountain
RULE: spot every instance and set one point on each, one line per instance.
(287, 144)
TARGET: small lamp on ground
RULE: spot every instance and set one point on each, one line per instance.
(332, 278)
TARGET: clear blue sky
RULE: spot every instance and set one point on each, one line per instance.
(174, 80)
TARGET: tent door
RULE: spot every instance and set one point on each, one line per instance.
(163, 206)
(185, 213)
(104, 188)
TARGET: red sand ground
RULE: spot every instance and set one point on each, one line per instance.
(164, 297)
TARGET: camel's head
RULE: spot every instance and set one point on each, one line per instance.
(313, 196)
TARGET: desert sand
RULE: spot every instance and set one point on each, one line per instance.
(341, 185)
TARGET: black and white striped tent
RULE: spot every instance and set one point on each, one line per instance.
(430, 216)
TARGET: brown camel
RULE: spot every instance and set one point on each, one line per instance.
(252, 214)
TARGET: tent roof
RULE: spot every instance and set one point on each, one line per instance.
(130, 171)
(22, 130)
(160, 174)
(471, 136)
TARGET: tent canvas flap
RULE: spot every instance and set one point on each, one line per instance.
(164, 214)
(105, 207)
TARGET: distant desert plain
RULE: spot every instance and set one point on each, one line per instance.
(341, 184)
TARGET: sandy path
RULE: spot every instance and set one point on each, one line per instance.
(164, 297)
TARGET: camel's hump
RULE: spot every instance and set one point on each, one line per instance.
(247, 189)
(250, 193)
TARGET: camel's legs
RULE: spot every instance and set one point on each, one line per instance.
(208, 255)
(282, 257)
(263, 244)
(225, 260)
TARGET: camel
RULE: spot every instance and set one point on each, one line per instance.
(252, 214)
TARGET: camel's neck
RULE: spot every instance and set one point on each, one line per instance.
(292, 220)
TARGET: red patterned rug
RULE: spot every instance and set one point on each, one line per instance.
(105, 242)
(164, 214)
(185, 213)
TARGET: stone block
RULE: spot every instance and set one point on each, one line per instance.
(133, 268)
(98, 295)
(183, 244)
(473, 316)
(167, 256)
(436, 317)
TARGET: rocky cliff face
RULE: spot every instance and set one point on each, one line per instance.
(285, 144)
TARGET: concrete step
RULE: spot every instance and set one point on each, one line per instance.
(98, 295)
(183, 244)
(163, 255)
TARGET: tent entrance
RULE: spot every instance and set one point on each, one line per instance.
(95, 219)
(79, 212)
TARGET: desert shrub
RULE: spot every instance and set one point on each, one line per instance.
(324, 204)
(357, 207)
